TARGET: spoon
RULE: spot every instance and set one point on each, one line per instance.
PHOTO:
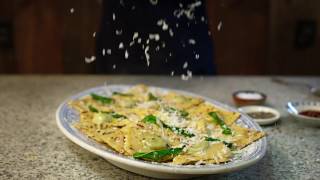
(312, 89)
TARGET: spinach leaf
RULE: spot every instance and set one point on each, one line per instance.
(93, 109)
(150, 119)
(212, 139)
(219, 121)
(113, 114)
(228, 144)
(117, 116)
(152, 97)
(158, 155)
(226, 130)
(170, 109)
(178, 130)
(101, 99)
(122, 94)
(153, 119)
(182, 113)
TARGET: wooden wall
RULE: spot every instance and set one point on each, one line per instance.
(48, 38)
(38, 36)
(284, 57)
(78, 29)
(256, 36)
(242, 42)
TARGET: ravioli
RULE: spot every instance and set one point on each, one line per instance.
(115, 140)
(163, 126)
(180, 101)
(215, 153)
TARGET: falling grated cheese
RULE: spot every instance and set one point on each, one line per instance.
(192, 41)
(113, 16)
(118, 32)
(185, 65)
(90, 59)
(147, 55)
(219, 26)
(153, 2)
(121, 45)
(172, 73)
(126, 54)
(163, 24)
(155, 37)
(171, 32)
(188, 12)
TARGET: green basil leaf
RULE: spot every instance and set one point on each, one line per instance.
(122, 94)
(211, 139)
(117, 116)
(219, 121)
(228, 144)
(158, 155)
(226, 130)
(101, 99)
(152, 97)
(113, 114)
(93, 109)
(150, 119)
(178, 130)
(170, 109)
(153, 120)
(182, 113)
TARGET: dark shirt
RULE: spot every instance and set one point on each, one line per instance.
(141, 16)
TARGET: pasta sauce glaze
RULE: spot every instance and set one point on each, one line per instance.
(310, 113)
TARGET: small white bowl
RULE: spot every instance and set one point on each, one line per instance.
(250, 109)
(294, 108)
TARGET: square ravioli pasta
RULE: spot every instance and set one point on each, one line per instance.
(163, 126)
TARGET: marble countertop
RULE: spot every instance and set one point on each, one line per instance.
(32, 147)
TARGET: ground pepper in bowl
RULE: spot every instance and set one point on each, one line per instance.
(261, 115)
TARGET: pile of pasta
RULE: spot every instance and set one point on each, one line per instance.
(163, 126)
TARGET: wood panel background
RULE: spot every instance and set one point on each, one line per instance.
(242, 42)
(284, 58)
(256, 36)
(38, 36)
(78, 29)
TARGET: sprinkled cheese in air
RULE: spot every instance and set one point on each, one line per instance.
(147, 55)
(126, 54)
(121, 45)
(192, 41)
(89, 59)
